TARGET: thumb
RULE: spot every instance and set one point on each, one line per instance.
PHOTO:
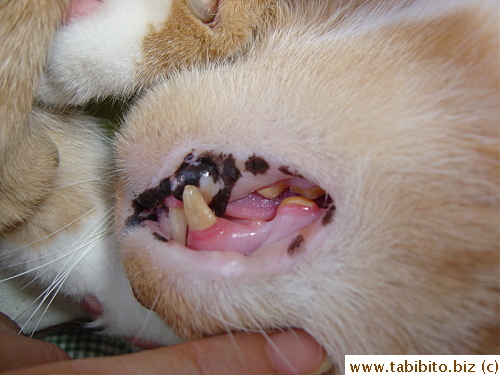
(17, 350)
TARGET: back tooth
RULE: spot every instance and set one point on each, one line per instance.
(311, 193)
(298, 200)
(198, 215)
(273, 191)
(178, 224)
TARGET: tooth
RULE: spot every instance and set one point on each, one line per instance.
(273, 191)
(178, 224)
(298, 200)
(311, 193)
(208, 188)
(198, 215)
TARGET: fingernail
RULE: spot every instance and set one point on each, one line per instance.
(295, 352)
(326, 365)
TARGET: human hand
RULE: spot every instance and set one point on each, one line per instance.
(290, 352)
(18, 350)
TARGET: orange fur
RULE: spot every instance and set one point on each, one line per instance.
(184, 41)
(28, 158)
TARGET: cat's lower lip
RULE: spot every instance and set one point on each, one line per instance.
(172, 257)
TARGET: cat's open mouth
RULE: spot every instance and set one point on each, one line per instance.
(211, 205)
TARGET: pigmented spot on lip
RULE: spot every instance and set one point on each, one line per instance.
(220, 168)
(329, 214)
(296, 245)
(256, 165)
(286, 170)
(159, 237)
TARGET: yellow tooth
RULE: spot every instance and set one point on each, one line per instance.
(298, 200)
(273, 191)
(178, 224)
(209, 190)
(311, 193)
(198, 215)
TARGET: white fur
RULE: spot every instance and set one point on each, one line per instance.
(96, 55)
(85, 263)
(77, 255)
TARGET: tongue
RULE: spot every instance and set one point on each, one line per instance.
(256, 206)
(245, 236)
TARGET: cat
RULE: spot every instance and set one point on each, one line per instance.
(359, 142)
(55, 199)
(342, 177)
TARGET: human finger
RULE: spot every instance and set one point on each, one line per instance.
(245, 354)
(17, 350)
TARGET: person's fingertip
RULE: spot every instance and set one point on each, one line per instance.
(7, 324)
(326, 365)
(296, 352)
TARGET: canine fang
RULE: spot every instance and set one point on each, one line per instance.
(198, 215)
(178, 224)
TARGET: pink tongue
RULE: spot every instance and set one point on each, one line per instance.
(247, 236)
(256, 206)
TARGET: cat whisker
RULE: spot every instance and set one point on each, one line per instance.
(146, 320)
(65, 226)
(66, 252)
(57, 283)
(49, 292)
(81, 183)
